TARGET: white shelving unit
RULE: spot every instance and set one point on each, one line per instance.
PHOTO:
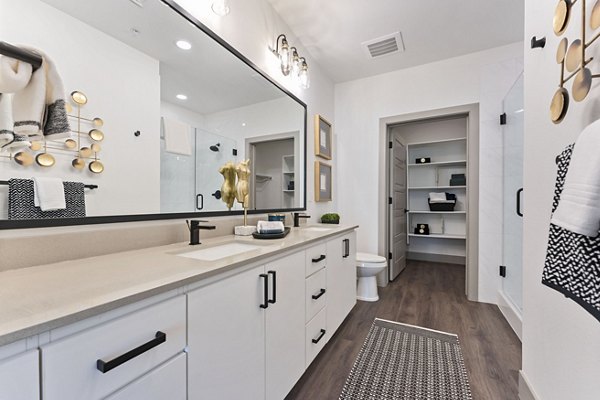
(288, 175)
(448, 229)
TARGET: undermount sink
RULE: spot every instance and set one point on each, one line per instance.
(316, 229)
(220, 251)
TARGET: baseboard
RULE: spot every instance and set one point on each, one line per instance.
(525, 390)
(440, 258)
(511, 314)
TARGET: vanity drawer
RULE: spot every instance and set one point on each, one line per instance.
(316, 286)
(71, 366)
(316, 335)
(316, 258)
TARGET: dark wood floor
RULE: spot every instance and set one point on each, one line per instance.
(429, 295)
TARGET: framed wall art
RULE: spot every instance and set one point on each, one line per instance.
(323, 143)
(323, 183)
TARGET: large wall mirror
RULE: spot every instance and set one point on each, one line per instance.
(166, 105)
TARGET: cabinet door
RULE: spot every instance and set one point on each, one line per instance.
(226, 339)
(165, 382)
(341, 279)
(285, 325)
(19, 377)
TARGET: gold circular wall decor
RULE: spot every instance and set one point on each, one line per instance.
(561, 16)
(561, 51)
(36, 146)
(96, 148)
(78, 163)
(23, 158)
(595, 18)
(574, 56)
(85, 152)
(79, 98)
(45, 160)
(70, 144)
(98, 122)
(96, 167)
(96, 135)
(582, 84)
(559, 105)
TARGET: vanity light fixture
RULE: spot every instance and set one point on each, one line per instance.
(220, 7)
(283, 52)
(291, 62)
(183, 44)
(295, 62)
(181, 97)
(303, 74)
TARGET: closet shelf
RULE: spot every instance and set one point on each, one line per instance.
(436, 187)
(437, 212)
(440, 236)
(457, 163)
(434, 142)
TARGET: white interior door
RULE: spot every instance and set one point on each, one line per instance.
(398, 207)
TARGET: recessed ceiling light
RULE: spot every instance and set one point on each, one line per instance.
(183, 45)
(181, 97)
(243, 124)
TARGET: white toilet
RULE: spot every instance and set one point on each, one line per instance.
(367, 268)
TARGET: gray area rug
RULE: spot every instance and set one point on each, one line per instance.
(399, 361)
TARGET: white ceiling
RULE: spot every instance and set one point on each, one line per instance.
(332, 30)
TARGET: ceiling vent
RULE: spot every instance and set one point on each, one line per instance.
(384, 45)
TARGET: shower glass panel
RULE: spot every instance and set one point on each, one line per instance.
(512, 252)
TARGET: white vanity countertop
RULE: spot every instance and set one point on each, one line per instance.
(38, 299)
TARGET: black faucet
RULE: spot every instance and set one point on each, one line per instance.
(195, 227)
(297, 217)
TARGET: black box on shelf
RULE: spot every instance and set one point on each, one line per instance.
(422, 229)
(449, 206)
(458, 180)
(423, 160)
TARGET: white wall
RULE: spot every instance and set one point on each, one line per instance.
(360, 104)
(88, 60)
(561, 346)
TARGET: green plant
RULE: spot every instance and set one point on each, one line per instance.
(330, 218)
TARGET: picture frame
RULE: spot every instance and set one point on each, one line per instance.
(323, 182)
(323, 138)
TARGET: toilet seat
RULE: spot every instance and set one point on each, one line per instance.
(366, 260)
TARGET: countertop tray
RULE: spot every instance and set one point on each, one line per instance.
(267, 236)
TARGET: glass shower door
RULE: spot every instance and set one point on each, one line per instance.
(513, 132)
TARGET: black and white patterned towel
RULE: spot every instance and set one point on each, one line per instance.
(21, 204)
(572, 261)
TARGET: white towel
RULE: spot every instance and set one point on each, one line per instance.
(270, 227)
(438, 198)
(6, 120)
(14, 76)
(39, 109)
(49, 194)
(177, 137)
(579, 206)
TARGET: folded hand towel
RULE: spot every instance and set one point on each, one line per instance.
(437, 197)
(39, 109)
(579, 207)
(6, 120)
(177, 137)
(270, 227)
(49, 194)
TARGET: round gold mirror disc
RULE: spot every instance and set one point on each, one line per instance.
(69, 108)
(559, 105)
(582, 84)
(79, 98)
(78, 163)
(561, 51)
(574, 56)
(96, 148)
(45, 160)
(595, 18)
(96, 135)
(70, 144)
(85, 152)
(561, 17)
(24, 159)
(98, 122)
(36, 146)
(96, 167)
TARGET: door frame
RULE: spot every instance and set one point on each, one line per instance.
(471, 112)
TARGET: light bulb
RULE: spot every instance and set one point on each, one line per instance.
(295, 63)
(284, 57)
(183, 45)
(303, 76)
(220, 7)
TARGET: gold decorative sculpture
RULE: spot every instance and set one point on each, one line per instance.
(242, 192)
(228, 189)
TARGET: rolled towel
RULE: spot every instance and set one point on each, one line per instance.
(49, 194)
(39, 109)
(270, 227)
(579, 206)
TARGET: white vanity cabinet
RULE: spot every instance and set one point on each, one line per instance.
(341, 279)
(246, 333)
(19, 377)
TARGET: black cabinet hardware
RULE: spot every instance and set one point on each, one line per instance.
(502, 271)
(199, 201)
(319, 259)
(346, 248)
(318, 339)
(266, 290)
(519, 212)
(321, 293)
(503, 119)
(105, 366)
(274, 299)
(538, 43)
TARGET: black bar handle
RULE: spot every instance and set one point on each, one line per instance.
(105, 366)
(346, 248)
(274, 300)
(321, 293)
(200, 196)
(318, 339)
(319, 259)
(519, 212)
(266, 291)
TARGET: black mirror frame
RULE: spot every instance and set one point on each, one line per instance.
(45, 223)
